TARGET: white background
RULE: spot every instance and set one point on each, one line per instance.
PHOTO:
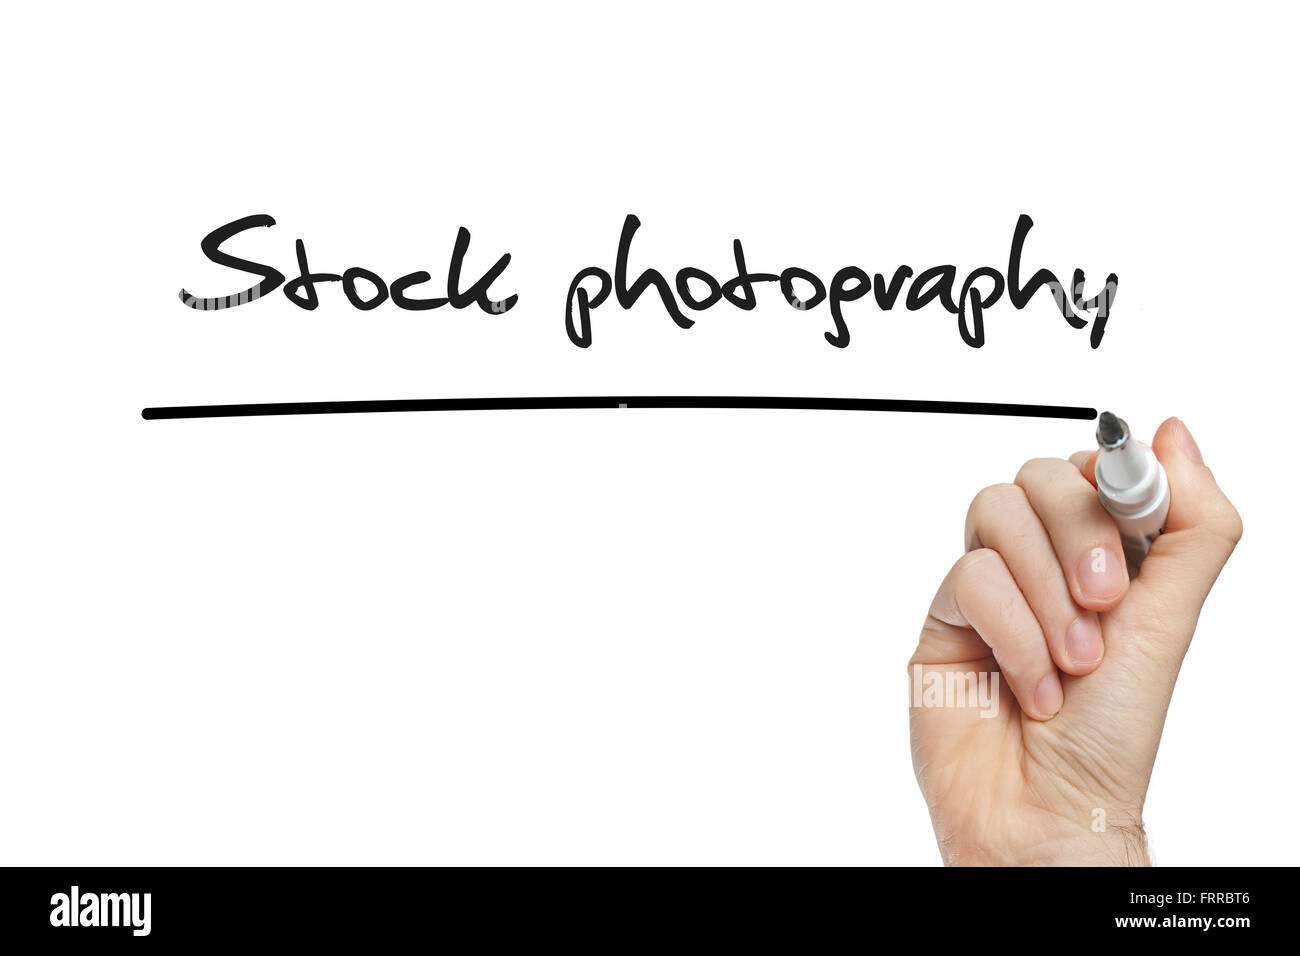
(600, 636)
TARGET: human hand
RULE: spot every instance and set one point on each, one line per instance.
(1042, 605)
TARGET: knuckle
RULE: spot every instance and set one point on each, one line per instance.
(993, 499)
(1039, 469)
(1231, 523)
(1086, 522)
(973, 566)
(1226, 526)
(1211, 538)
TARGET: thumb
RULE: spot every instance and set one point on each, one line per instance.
(1201, 531)
(1149, 631)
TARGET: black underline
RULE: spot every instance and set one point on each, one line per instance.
(619, 401)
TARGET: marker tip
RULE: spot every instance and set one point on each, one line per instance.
(1112, 431)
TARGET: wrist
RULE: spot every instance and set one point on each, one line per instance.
(1117, 838)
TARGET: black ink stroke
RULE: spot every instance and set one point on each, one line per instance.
(619, 401)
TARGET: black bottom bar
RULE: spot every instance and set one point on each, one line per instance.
(931, 910)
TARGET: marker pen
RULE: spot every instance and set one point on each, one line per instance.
(1133, 487)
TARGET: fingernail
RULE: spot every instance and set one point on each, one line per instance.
(1083, 640)
(1188, 443)
(1049, 696)
(1101, 574)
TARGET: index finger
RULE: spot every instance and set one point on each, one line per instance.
(1086, 462)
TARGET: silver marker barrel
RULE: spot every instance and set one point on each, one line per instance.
(1133, 487)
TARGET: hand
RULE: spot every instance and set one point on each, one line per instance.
(1041, 605)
